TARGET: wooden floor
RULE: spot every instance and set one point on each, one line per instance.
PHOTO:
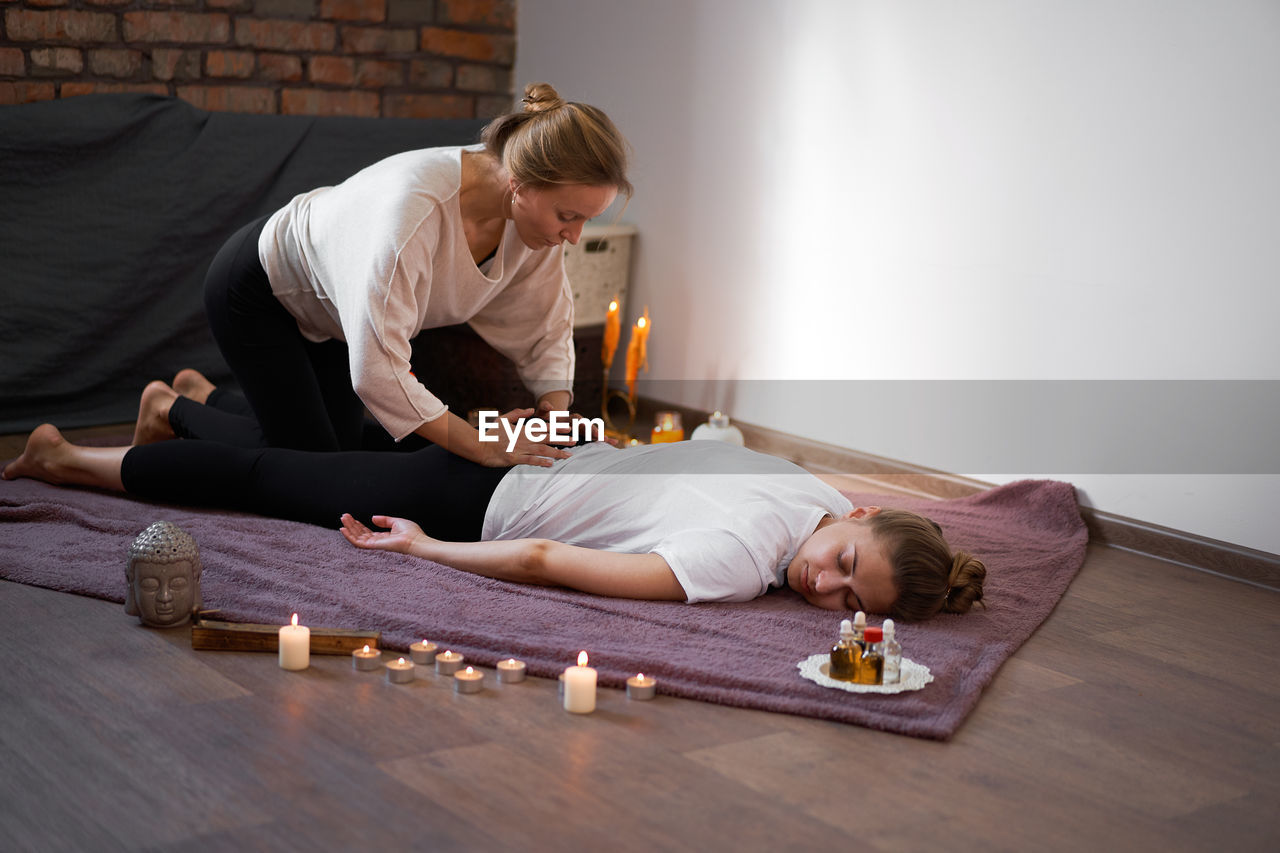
(1143, 715)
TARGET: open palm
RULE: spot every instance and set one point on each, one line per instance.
(400, 537)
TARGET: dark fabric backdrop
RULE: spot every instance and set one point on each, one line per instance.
(112, 206)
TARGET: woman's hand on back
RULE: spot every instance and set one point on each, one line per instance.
(525, 451)
(400, 538)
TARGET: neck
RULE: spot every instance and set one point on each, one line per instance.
(485, 194)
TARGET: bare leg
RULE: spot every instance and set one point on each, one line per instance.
(153, 414)
(51, 458)
(193, 385)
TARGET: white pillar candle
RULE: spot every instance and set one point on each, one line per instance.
(468, 680)
(580, 687)
(447, 663)
(423, 652)
(641, 686)
(295, 645)
(366, 659)
(511, 670)
(400, 671)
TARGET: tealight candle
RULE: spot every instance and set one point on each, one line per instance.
(366, 659)
(580, 687)
(423, 652)
(510, 671)
(447, 663)
(468, 680)
(400, 671)
(295, 645)
(641, 686)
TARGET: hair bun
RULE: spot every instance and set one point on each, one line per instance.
(540, 97)
(965, 582)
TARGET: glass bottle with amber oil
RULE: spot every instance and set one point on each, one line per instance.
(892, 652)
(871, 667)
(846, 655)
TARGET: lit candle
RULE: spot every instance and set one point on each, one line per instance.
(423, 652)
(637, 352)
(295, 645)
(400, 671)
(447, 663)
(612, 331)
(468, 680)
(510, 671)
(641, 686)
(580, 687)
(667, 427)
(366, 659)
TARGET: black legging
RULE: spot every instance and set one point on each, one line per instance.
(445, 494)
(299, 391)
(227, 417)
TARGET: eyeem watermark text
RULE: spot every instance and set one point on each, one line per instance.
(559, 427)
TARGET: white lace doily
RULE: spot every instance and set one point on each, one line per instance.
(914, 676)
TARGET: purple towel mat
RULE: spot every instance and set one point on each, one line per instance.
(261, 570)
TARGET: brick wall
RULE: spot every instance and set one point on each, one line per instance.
(394, 58)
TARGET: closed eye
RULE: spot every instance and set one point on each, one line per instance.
(853, 568)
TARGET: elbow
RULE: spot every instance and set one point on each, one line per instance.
(535, 562)
(361, 384)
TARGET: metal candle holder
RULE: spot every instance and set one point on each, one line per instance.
(608, 396)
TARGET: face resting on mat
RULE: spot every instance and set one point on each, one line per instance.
(842, 566)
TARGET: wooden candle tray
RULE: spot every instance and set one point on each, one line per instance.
(213, 635)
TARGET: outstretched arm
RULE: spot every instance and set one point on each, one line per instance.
(532, 561)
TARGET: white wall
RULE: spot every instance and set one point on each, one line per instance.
(990, 189)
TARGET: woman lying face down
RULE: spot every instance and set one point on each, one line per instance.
(690, 521)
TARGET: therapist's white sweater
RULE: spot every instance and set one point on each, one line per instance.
(382, 256)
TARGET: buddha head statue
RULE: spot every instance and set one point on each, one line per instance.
(163, 577)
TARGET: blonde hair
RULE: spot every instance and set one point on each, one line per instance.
(553, 141)
(928, 576)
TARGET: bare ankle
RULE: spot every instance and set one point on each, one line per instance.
(153, 414)
(193, 385)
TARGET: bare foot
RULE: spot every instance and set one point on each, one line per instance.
(39, 460)
(50, 457)
(193, 385)
(153, 414)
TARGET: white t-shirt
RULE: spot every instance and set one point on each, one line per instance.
(383, 255)
(727, 520)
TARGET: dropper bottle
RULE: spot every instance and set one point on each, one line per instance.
(846, 655)
(892, 651)
(871, 667)
(860, 631)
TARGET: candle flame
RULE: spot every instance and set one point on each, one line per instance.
(640, 676)
(366, 649)
(424, 641)
(613, 305)
(295, 620)
(470, 671)
(641, 322)
(400, 661)
(582, 658)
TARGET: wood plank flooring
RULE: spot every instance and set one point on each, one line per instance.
(1141, 716)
